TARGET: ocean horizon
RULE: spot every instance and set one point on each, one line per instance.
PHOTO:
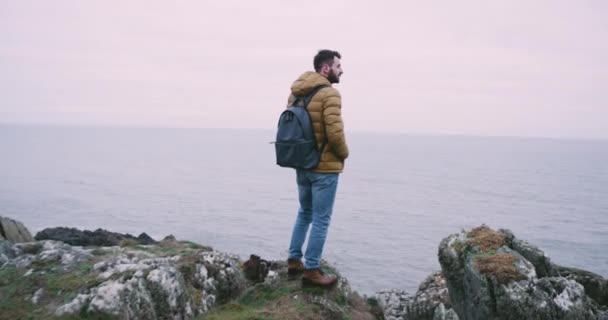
(399, 195)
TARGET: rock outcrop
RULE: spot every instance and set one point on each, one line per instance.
(99, 237)
(486, 274)
(14, 231)
(292, 300)
(493, 275)
(431, 295)
(171, 280)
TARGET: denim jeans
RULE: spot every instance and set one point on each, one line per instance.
(317, 192)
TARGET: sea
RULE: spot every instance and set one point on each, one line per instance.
(398, 197)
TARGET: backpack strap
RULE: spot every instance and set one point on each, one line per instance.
(307, 98)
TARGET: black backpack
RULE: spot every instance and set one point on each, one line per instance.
(296, 145)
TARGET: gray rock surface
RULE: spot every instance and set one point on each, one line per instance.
(513, 280)
(442, 314)
(48, 252)
(595, 285)
(14, 231)
(431, 294)
(172, 280)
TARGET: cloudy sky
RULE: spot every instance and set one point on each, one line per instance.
(514, 68)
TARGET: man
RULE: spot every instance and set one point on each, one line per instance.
(317, 187)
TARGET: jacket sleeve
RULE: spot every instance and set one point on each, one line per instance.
(334, 127)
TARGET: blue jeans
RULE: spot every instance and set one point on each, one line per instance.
(317, 192)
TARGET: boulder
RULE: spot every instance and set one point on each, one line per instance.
(441, 313)
(256, 269)
(98, 237)
(148, 282)
(493, 275)
(432, 293)
(596, 286)
(14, 231)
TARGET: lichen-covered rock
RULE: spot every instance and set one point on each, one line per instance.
(441, 313)
(43, 253)
(546, 298)
(431, 293)
(225, 280)
(6, 249)
(14, 231)
(451, 259)
(166, 285)
(542, 263)
(596, 286)
(6, 252)
(493, 275)
(433, 290)
(394, 303)
(176, 281)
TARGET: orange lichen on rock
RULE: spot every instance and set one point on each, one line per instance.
(486, 239)
(501, 266)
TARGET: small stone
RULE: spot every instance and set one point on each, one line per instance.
(37, 296)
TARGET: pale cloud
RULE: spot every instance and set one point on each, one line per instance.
(477, 67)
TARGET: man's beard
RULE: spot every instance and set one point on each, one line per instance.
(332, 77)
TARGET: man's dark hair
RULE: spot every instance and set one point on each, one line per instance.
(325, 56)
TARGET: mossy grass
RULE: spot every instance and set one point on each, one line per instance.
(17, 287)
(291, 300)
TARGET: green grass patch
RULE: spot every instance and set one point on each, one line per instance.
(261, 294)
(341, 299)
(13, 288)
(79, 277)
(195, 246)
(235, 311)
(315, 291)
(59, 287)
(460, 246)
(290, 300)
(301, 306)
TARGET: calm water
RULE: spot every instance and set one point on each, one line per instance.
(398, 197)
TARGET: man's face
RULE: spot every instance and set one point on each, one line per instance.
(335, 71)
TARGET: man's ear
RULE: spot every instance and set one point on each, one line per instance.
(325, 69)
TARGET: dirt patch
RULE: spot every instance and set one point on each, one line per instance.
(288, 308)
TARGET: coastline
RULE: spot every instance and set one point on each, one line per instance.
(122, 276)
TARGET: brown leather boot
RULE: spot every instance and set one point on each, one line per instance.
(294, 268)
(317, 277)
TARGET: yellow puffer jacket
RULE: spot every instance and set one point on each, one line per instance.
(325, 113)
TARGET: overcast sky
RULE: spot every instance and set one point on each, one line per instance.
(515, 68)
